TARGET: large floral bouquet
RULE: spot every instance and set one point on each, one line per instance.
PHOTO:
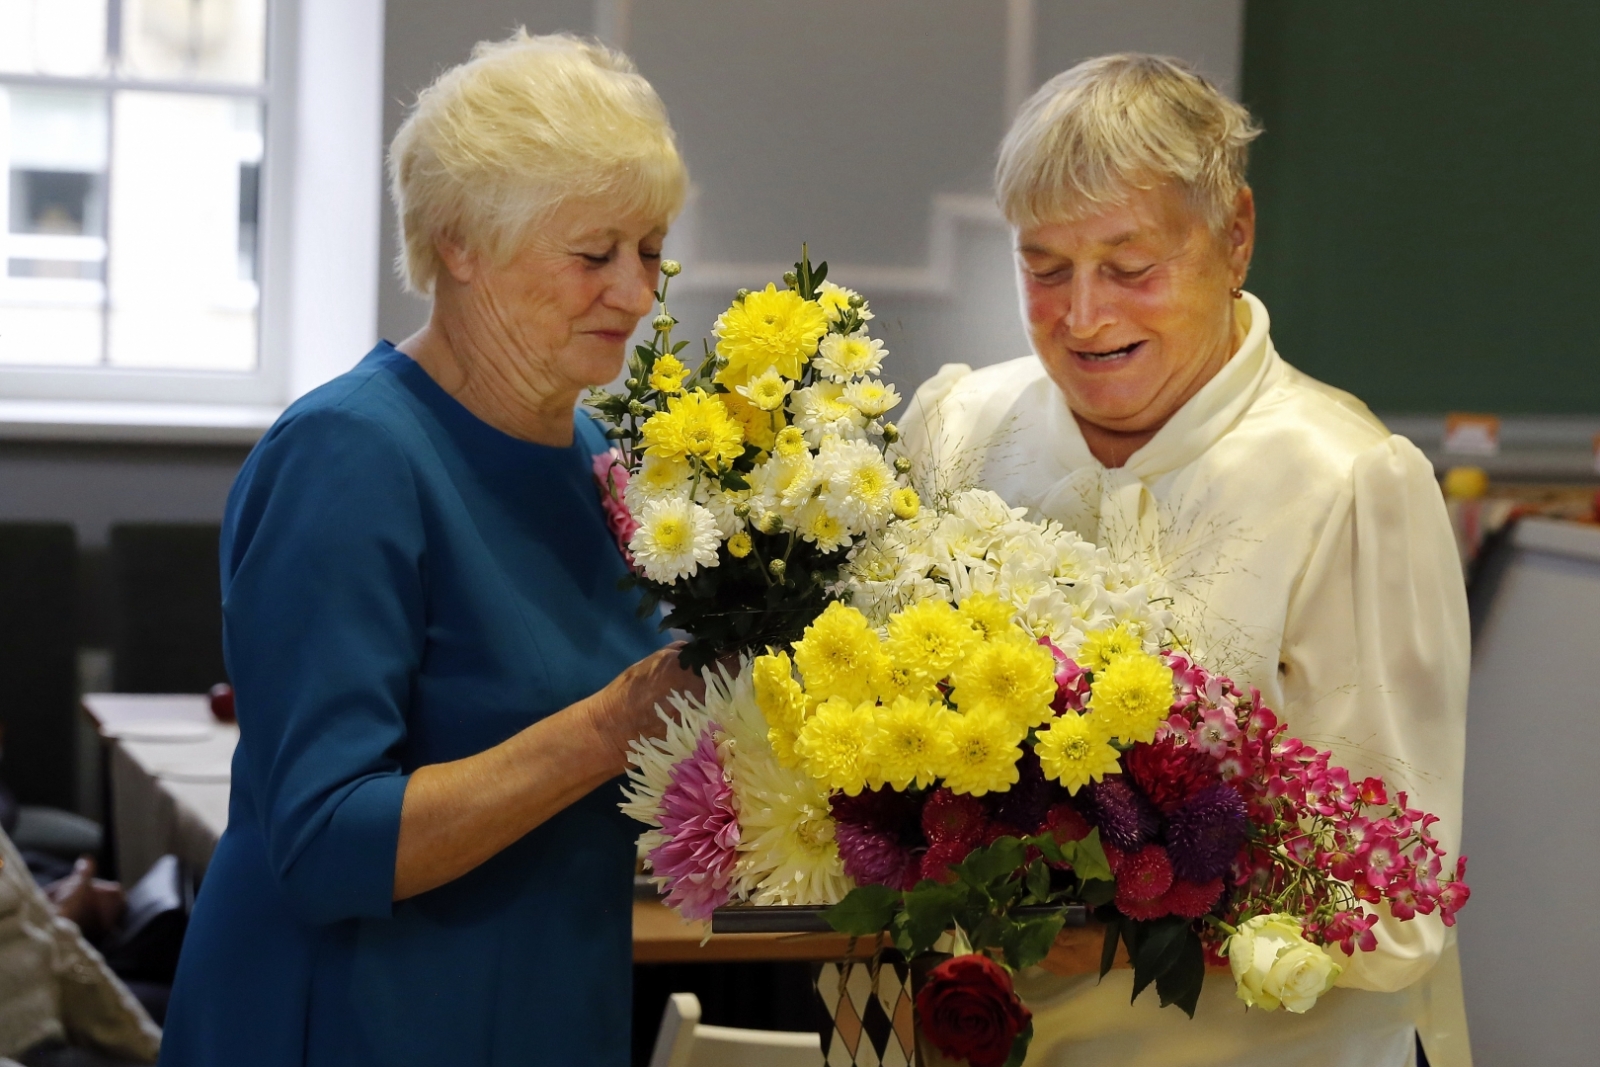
(984, 719)
(737, 488)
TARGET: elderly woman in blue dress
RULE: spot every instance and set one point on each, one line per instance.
(1302, 547)
(437, 675)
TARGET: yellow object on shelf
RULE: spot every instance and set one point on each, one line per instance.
(1466, 483)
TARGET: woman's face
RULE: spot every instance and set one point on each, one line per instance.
(1130, 308)
(567, 301)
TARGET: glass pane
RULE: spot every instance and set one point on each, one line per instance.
(200, 40)
(183, 225)
(53, 247)
(66, 37)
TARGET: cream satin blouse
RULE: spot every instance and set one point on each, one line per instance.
(1307, 552)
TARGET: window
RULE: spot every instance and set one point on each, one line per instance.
(132, 136)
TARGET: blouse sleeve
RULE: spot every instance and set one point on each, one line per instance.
(1375, 667)
(323, 627)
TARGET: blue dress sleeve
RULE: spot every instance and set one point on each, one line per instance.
(324, 627)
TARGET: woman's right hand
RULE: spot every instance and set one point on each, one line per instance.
(626, 708)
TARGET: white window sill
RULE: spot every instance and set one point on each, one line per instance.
(134, 423)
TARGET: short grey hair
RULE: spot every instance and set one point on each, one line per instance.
(1117, 123)
(493, 146)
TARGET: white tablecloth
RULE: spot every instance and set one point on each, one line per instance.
(166, 795)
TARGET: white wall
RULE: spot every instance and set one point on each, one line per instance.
(865, 127)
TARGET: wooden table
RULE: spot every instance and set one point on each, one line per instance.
(659, 936)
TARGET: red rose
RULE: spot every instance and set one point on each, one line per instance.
(970, 1011)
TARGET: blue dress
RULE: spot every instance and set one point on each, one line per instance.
(403, 585)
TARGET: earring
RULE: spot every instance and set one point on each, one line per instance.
(1236, 292)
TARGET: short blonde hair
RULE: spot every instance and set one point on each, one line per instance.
(1111, 125)
(495, 145)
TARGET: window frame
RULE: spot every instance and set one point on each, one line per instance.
(320, 202)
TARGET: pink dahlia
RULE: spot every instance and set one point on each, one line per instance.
(702, 831)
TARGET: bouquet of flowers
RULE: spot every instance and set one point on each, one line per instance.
(737, 488)
(983, 719)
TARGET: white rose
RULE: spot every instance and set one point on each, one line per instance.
(1274, 965)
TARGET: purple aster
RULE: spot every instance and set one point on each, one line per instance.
(702, 831)
(1122, 814)
(1023, 807)
(1204, 834)
(872, 857)
(882, 811)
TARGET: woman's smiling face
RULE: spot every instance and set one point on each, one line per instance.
(1130, 307)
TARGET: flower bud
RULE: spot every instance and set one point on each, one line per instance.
(740, 294)
(742, 510)
(790, 279)
(902, 465)
(632, 383)
(663, 323)
(739, 545)
(777, 567)
(636, 409)
(857, 301)
(891, 432)
(769, 523)
(671, 268)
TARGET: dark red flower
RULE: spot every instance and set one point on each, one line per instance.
(951, 817)
(941, 856)
(1169, 773)
(1191, 899)
(1142, 878)
(970, 1011)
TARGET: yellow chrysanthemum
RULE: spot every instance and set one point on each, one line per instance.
(694, 424)
(1075, 750)
(992, 616)
(1132, 695)
(912, 743)
(1013, 677)
(905, 503)
(739, 545)
(668, 374)
(871, 397)
(782, 703)
(929, 637)
(896, 680)
(839, 655)
(845, 357)
(790, 442)
(768, 391)
(760, 427)
(822, 527)
(983, 753)
(835, 300)
(768, 330)
(1100, 647)
(836, 742)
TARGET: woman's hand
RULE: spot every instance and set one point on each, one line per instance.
(626, 708)
(456, 815)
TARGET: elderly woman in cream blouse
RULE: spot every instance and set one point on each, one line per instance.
(1305, 548)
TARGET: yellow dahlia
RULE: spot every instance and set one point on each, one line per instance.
(694, 424)
(1013, 677)
(930, 636)
(983, 753)
(839, 655)
(1132, 695)
(835, 744)
(912, 743)
(1100, 647)
(768, 330)
(1076, 750)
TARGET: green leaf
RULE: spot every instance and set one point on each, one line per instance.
(1027, 943)
(985, 865)
(1180, 984)
(1158, 950)
(1088, 858)
(1047, 844)
(1038, 881)
(679, 347)
(1097, 892)
(865, 910)
(734, 480)
(1108, 952)
(930, 911)
(819, 273)
(1019, 1046)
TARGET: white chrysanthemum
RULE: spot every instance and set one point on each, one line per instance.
(842, 357)
(780, 485)
(856, 483)
(821, 410)
(836, 298)
(787, 852)
(657, 479)
(674, 540)
(768, 391)
(650, 764)
(821, 526)
(723, 505)
(871, 397)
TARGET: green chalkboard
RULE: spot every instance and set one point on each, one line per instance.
(1429, 191)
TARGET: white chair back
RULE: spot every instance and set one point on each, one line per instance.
(684, 1041)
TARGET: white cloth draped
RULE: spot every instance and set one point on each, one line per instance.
(1306, 551)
